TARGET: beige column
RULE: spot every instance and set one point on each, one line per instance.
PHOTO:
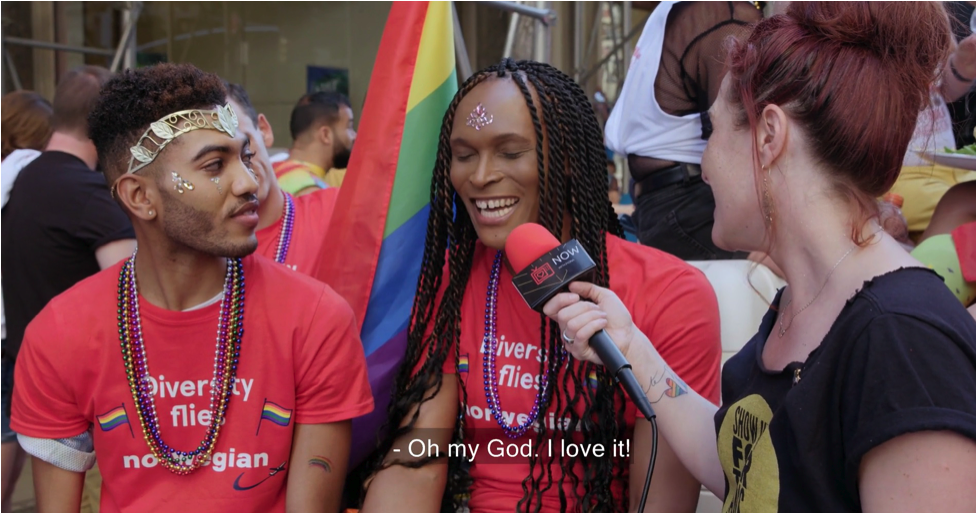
(42, 29)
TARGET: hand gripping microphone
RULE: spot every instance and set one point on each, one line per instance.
(544, 268)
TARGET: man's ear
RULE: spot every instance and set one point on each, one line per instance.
(325, 135)
(138, 195)
(267, 135)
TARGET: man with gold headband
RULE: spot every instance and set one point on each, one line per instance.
(122, 365)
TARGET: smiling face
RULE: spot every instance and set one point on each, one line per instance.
(494, 167)
(728, 167)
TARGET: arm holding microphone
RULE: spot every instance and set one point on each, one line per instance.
(685, 421)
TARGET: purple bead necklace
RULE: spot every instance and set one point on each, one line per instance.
(230, 330)
(285, 237)
(490, 346)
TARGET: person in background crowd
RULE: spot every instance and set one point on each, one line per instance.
(921, 182)
(962, 109)
(26, 121)
(322, 140)
(520, 143)
(613, 189)
(948, 244)
(660, 121)
(291, 230)
(59, 227)
(857, 393)
(130, 350)
(26, 129)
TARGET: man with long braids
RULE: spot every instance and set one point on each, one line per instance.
(124, 366)
(520, 143)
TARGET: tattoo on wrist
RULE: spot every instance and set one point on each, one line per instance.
(674, 386)
(318, 461)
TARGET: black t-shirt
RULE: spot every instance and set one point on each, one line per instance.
(899, 359)
(59, 213)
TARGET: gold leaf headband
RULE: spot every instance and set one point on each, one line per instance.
(162, 132)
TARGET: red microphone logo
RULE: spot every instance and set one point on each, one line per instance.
(541, 273)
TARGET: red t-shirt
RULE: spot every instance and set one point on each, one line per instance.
(301, 362)
(671, 302)
(312, 214)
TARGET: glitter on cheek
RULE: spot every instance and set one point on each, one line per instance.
(180, 184)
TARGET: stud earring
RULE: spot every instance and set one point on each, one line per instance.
(152, 213)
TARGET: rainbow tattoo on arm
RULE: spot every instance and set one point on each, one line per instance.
(318, 461)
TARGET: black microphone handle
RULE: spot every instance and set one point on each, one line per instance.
(620, 368)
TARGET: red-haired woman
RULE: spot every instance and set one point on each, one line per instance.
(24, 131)
(858, 391)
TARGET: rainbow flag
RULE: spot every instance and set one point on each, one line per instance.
(592, 379)
(114, 418)
(463, 363)
(276, 414)
(385, 195)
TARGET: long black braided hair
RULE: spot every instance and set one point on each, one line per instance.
(575, 183)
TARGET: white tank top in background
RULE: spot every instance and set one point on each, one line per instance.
(637, 124)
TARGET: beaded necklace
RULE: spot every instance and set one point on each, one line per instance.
(285, 237)
(490, 345)
(230, 330)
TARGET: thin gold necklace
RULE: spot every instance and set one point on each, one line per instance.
(783, 329)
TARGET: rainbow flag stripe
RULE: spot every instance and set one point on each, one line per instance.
(592, 379)
(385, 196)
(674, 389)
(463, 363)
(112, 419)
(276, 414)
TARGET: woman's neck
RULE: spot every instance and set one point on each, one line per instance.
(818, 255)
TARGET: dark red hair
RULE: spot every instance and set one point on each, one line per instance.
(854, 75)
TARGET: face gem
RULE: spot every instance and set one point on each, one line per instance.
(181, 185)
(479, 118)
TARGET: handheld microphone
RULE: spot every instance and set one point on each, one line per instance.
(545, 268)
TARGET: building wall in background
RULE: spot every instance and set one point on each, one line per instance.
(267, 46)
